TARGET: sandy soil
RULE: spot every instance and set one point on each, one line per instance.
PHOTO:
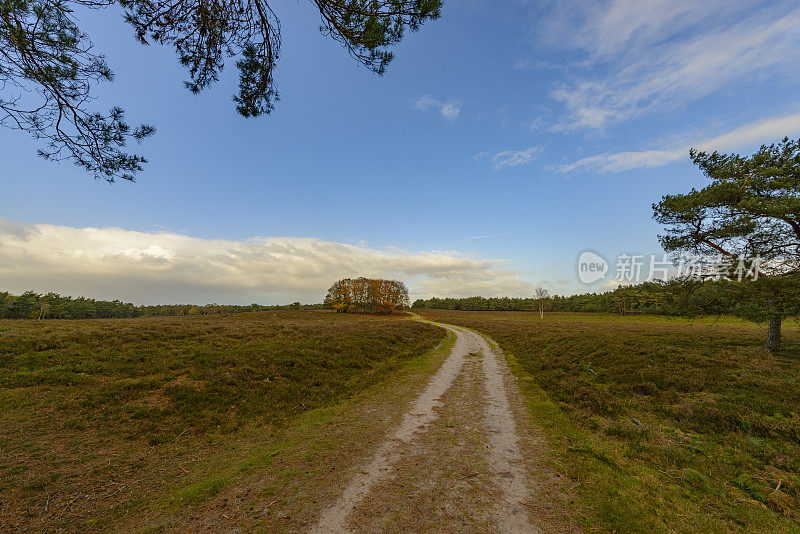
(465, 458)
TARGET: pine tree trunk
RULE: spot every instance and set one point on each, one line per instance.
(774, 334)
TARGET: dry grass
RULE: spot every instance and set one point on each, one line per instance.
(664, 424)
(104, 418)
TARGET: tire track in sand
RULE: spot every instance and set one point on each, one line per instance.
(503, 452)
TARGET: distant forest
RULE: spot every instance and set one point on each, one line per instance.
(32, 305)
(611, 302)
(671, 298)
(662, 298)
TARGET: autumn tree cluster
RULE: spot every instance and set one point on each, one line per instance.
(367, 295)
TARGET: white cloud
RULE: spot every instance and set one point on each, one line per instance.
(655, 55)
(610, 27)
(764, 131)
(515, 158)
(480, 284)
(611, 285)
(424, 103)
(487, 236)
(449, 109)
(164, 267)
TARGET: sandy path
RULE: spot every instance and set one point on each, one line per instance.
(424, 476)
(504, 454)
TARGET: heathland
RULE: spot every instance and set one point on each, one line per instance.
(108, 422)
(254, 420)
(664, 424)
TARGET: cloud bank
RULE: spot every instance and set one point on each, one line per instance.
(164, 267)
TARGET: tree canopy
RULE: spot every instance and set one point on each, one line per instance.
(750, 210)
(367, 295)
(48, 66)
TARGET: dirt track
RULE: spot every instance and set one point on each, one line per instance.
(458, 462)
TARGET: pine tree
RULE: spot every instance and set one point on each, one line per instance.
(751, 209)
(48, 67)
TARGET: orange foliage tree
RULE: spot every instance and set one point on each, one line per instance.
(367, 295)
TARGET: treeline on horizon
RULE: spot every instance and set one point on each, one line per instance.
(32, 305)
(661, 298)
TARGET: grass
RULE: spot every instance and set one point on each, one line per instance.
(280, 480)
(663, 424)
(105, 417)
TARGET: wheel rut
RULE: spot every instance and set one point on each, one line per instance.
(454, 464)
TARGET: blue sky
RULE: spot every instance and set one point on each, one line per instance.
(506, 138)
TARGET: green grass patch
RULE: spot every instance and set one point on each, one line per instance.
(201, 490)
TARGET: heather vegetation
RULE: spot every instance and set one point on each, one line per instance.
(103, 419)
(767, 300)
(663, 424)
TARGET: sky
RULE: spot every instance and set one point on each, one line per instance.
(504, 140)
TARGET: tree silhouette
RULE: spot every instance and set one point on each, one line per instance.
(751, 209)
(48, 66)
